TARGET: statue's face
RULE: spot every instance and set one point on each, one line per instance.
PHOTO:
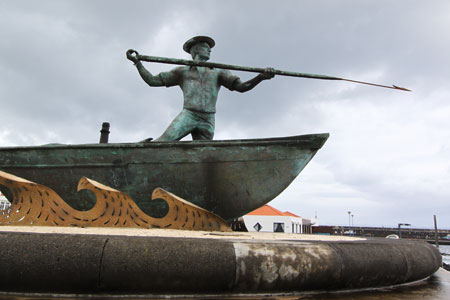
(203, 51)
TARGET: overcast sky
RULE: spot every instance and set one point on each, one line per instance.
(63, 72)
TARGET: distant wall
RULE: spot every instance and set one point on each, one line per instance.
(411, 233)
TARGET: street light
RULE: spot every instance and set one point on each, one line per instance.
(399, 228)
(353, 230)
(349, 223)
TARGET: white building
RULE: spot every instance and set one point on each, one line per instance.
(4, 203)
(269, 219)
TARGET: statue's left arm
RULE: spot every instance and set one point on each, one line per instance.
(242, 87)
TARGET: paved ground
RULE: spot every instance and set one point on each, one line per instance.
(177, 233)
(437, 287)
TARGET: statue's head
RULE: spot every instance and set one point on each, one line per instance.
(199, 46)
(202, 50)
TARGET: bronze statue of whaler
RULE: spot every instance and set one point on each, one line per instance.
(200, 86)
(200, 82)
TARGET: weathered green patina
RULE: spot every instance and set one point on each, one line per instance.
(201, 46)
(176, 61)
(229, 178)
(200, 86)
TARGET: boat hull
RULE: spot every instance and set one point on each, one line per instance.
(228, 178)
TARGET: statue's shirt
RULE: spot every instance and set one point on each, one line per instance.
(200, 86)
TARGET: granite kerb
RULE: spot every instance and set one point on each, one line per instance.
(111, 264)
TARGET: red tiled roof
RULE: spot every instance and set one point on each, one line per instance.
(267, 210)
(288, 213)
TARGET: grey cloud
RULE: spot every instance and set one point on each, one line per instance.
(63, 71)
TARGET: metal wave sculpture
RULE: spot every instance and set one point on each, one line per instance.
(35, 204)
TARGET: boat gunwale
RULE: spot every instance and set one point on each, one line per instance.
(316, 141)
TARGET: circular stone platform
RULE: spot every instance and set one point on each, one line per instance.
(171, 262)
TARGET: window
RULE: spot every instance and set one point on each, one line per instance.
(257, 227)
(278, 227)
(4, 205)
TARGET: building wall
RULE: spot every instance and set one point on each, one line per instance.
(290, 224)
(307, 226)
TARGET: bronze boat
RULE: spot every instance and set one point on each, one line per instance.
(229, 178)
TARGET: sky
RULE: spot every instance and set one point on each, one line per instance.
(63, 72)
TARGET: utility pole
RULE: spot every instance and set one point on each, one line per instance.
(349, 222)
(436, 237)
(353, 227)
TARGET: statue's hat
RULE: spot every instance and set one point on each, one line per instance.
(198, 39)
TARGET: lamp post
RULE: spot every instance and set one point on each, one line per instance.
(353, 230)
(399, 228)
(349, 222)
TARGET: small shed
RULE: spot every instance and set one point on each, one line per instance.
(269, 219)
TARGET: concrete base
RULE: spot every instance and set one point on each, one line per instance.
(114, 261)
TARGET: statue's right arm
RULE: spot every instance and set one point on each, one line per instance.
(148, 77)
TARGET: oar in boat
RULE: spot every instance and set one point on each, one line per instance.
(176, 61)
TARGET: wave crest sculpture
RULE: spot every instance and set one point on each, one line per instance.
(35, 204)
